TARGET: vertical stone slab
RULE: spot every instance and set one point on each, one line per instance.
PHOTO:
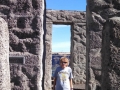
(94, 43)
(26, 28)
(4, 56)
(40, 25)
(78, 54)
(48, 57)
(98, 11)
(111, 55)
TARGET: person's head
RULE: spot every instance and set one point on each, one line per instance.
(64, 62)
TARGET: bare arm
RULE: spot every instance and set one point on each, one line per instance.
(54, 83)
(71, 84)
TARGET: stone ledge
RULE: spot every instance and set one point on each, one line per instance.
(79, 86)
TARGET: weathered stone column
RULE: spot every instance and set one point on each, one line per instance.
(26, 29)
(48, 57)
(98, 12)
(78, 54)
(40, 25)
(111, 55)
(4, 56)
(93, 46)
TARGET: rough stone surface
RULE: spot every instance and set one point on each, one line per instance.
(111, 55)
(4, 56)
(98, 12)
(78, 41)
(48, 57)
(25, 23)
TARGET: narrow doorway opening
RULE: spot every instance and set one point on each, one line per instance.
(61, 43)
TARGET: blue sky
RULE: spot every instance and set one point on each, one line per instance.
(79, 5)
(61, 33)
(61, 38)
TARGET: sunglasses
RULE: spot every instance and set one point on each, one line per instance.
(64, 62)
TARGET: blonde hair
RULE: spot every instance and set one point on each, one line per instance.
(64, 59)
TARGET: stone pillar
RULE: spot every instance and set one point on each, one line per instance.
(99, 67)
(40, 25)
(111, 55)
(48, 57)
(78, 54)
(4, 56)
(26, 23)
(94, 42)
